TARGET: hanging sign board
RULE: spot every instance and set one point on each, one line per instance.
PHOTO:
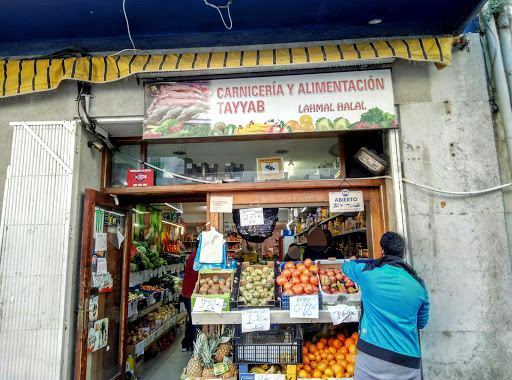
(221, 204)
(270, 168)
(270, 105)
(255, 320)
(251, 217)
(140, 177)
(304, 307)
(346, 201)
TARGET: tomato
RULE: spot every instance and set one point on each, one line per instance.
(313, 280)
(296, 273)
(300, 267)
(313, 269)
(281, 280)
(287, 285)
(298, 289)
(295, 280)
(304, 279)
(306, 272)
(286, 273)
(308, 263)
(289, 265)
(308, 289)
(288, 293)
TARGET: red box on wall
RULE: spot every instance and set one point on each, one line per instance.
(140, 177)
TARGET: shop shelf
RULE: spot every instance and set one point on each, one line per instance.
(360, 230)
(273, 346)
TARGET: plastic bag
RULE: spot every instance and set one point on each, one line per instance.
(198, 265)
(257, 234)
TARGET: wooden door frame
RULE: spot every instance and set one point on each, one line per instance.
(91, 200)
(304, 196)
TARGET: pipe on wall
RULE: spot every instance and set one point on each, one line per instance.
(506, 46)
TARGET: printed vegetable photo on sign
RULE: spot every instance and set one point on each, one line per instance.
(270, 105)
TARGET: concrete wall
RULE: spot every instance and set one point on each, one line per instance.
(458, 244)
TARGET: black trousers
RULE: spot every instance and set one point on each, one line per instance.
(191, 330)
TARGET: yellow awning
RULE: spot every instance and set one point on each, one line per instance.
(33, 75)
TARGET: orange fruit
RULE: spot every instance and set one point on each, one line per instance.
(308, 368)
(323, 340)
(350, 368)
(332, 362)
(311, 357)
(337, 343)
(329, 342)
(320, 345)
(343, 350)
(339, 357)
(303, 373)
(349, 342)
(313, 364)
(343, 362)
(330, 357)
(317, 374)
(325, 377)
(300, 366)
(312, 349)
(351, 358)
(355, 336)
(304, 350)
(338, 369)
(346, 374)
(322, 366)
(324, 355)
(341, 337)
(329, 372)
(305, 360)
(318, 358)
(307, 344)
(352, 349)
(332, 350)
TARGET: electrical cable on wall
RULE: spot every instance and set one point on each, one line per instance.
(129, 34)
(220, 12)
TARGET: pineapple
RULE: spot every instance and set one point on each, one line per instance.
(195, 364)
(232, 368)
(207, 352)
(224, 350)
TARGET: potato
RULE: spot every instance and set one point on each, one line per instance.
(222, 281)
(210, 282)
(203, 282)
(215, 280)
(210, 290)
(203, 291)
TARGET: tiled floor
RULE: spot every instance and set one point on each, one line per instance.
(168, 365)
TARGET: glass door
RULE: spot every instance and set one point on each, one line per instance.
(103, 290)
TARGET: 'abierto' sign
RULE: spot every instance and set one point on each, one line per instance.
(346, 201)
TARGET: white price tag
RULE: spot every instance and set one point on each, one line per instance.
(100, 243)
(343, 314)
(255, 320)
(251, 217)
(221, 204)
(304, 307)
(145, 329)
(101, 266)
(139, 349)
(209, 304)
(261, 376)
(158, 322)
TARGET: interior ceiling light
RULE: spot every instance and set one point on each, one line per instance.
(282, 151)
(375, 21)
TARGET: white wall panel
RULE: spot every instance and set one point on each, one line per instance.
(34, 246)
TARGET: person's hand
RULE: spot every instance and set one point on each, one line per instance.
(352, 258)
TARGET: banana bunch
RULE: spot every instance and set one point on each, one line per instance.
(266, 369)
(253, 128)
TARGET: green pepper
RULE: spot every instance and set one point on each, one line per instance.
(230, 129)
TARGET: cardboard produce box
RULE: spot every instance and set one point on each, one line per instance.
(226, 274)
(340, 298)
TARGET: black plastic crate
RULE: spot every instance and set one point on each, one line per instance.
(276, 346)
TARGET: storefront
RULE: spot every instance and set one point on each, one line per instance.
(312, 157)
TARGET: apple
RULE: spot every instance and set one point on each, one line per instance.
(343, 290)
(333, 290)
(339, 276)
(325, 288)
(322, 272)
(336, 271)
(349, 284)
(326, 281)
(332, 278)
(346, 278)
(330, 273)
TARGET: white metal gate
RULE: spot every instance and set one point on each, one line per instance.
(34, 246)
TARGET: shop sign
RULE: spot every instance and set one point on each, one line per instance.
(270, 168)
(140, 177)
(270, 105)
(346, 201)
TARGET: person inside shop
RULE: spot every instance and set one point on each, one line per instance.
(316, 245)
(331, 250)
(293, 253)
(395, 305)
(189, 282)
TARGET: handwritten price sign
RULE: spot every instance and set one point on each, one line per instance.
(304, 307)
(251, 217)
(343, 314)
(209, 304)
(255, 320)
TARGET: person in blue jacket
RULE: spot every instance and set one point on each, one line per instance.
(395, 305)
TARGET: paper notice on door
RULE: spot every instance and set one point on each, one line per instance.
(100, 243)
(101, 266)
(119, 239)
(221, 204)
